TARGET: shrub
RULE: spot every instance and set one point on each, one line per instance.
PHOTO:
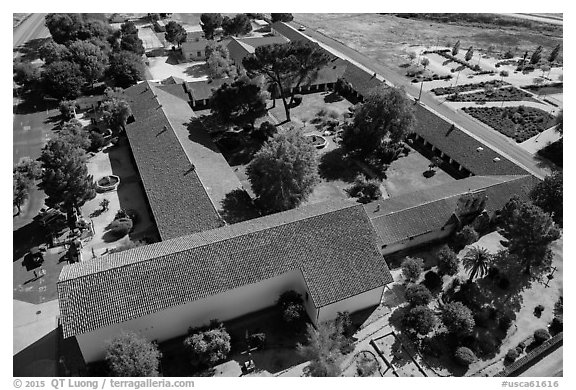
(448, 262)
(366, 365)
(521, 346)
(539, 309)
(291, 306)
(512, 355)
(412, 268)
(257, 340)
(293, 313)
(121, 227)
(97, 141)
(457, 318)
(418, 295)
(420, 320)
(67, 109)
(432, 280)
(343, 320)
(466, 236)
(464, 356)
(557, 325)
(365, 190)
(208, 347)
(265, 131)
(541, 335)
(504, 322)
(132, 355)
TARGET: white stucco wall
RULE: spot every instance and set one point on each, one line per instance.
(175, 321)
(352, 304)
(418, 240)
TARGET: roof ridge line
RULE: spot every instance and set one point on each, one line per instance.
(198, 246)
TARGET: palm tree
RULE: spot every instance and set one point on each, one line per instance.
(477, 261)
(425, 62)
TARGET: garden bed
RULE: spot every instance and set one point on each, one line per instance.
(107, 183)
(520, 123)
(497, 95)
(317, 141)
(446, 54)
(468, 87)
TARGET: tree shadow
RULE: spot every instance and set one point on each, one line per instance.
(438, 351)
(237, 206)
(174, 57)
(551, 156)
(335, 166)
(197, 70)
(27, 237)
(29, 50)
(33, 101)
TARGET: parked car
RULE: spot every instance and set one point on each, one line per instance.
(302, 28)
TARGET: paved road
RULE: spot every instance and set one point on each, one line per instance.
(31, 28)
(499, 142)
(30, 130)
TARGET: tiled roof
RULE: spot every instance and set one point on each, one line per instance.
(462, 147)
(176, 196)
(413, 214)
(360, 80)
(200, 90)
(289, 32)
(333, 244)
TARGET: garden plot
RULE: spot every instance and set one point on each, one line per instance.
(505, 94)
(398, 356)
(519, 123)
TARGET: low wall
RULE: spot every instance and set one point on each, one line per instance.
(538, 353)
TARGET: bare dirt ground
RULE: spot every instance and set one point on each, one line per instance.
(385, 37)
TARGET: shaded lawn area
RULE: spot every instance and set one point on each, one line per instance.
(309, 107)
(278, 354)
(406, 175)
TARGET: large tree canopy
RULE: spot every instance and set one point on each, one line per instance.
(281, 17)
(90, 58)
(287, 65)
(240, 103)
(218, 60)
(175, 33)
(284, 171)
(64, 27)
(52, 52)
(529, 231)
(126, 68)
(238, 25)
(132, 355)
(63, 79)
(385, 115)
(548, 195)
(131, 42)
(65, 179)
(115, 108)
(210, 22)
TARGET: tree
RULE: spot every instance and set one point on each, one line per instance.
(456, 48)
(53, 52)
(90, 58)
(322, 349)
(67, 109)
(128, 28)
(544, 69)
(448, 262)
(477, 261)
(466, 236)
(554, 53)
(115, 109)
(291, 305)
(559, 122)
(238, 25)
(73, 134)
(284, 171)
(65, 179)
(132, 355)
(548, 195)
(26, 75)
(412, 56)
(63, 79)
(366, 190)
(536, 56)
(420, 320)
(529, 231)
(218, 61)
(425, 62)
(418, 295)
(240, 103)
(464, 356)
(504, 73)
(21, 190)
(458, 319)
(210, 22)
(126, 68)
(469, 54)
(281, 17)
(63, 27)
(131, 42)
(385, 115)
(412, 268)
(208, 347)
(287, 65)
(175, 33)
(30, 169)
